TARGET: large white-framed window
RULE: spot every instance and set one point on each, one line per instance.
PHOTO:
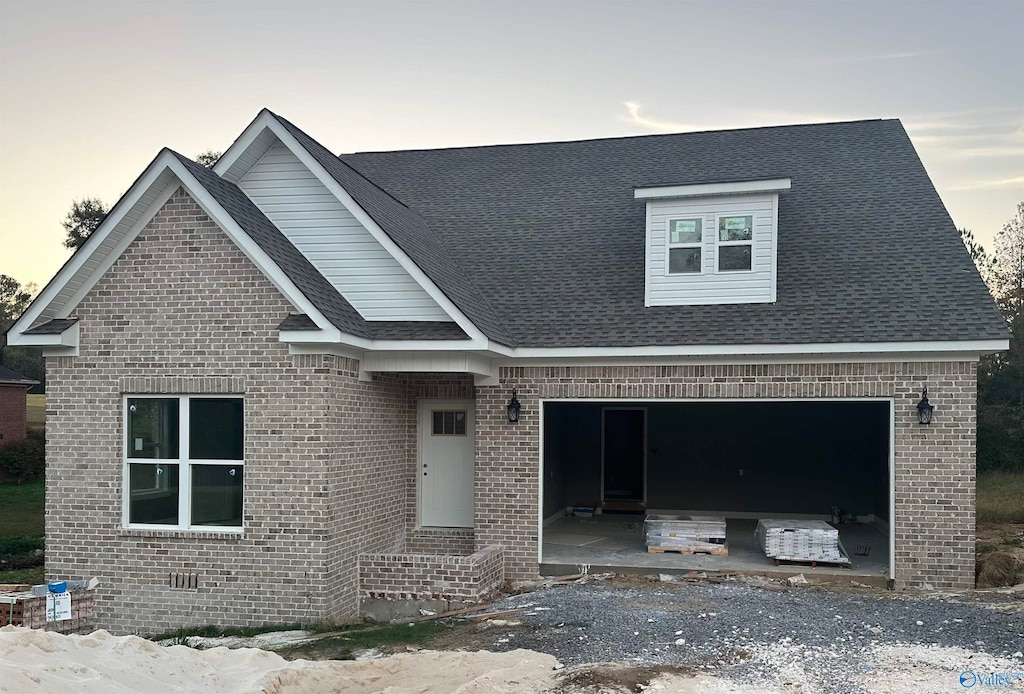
(685, 246)
(184, 462)
(734, 242)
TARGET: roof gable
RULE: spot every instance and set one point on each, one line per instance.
(288, 269)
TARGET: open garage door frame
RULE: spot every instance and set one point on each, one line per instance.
(642, 402)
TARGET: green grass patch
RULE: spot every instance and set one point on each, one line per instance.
(211, 631)
(36, 411)
(1001, 497)
(360, 637)
(21, 509)
(33, 576)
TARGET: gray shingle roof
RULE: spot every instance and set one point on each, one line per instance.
(552, 239)
(54, 326)
(410, 232)
(8, 377)
(388, 330)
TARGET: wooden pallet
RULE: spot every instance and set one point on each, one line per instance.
(813, 563)
(718, 551)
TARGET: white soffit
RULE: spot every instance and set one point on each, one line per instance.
(700, 190)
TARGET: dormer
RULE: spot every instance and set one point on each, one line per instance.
(712, 243)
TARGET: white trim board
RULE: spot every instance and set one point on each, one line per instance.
(832, 348)
(699, 190)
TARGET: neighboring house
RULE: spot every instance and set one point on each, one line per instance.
(286, 384)
(13, 405)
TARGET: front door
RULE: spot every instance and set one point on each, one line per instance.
(447, 446)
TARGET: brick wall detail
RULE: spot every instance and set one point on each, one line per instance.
(13, 412)
(469, 578)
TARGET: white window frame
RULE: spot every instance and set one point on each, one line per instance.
(698, 245)
(719, 243)
(183, 461)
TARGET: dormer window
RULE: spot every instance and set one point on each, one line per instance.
(735, 243)
(685, 245)
(712, 243)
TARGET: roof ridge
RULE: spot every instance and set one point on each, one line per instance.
(621, 137)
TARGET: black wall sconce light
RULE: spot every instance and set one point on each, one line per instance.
(924, 408)
(513, 408)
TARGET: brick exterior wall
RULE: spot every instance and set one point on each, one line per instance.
(13, 412)
(468, 578)
(935, 465)
(328, 458)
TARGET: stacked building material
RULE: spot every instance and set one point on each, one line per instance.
(800, 540)
(686, 534)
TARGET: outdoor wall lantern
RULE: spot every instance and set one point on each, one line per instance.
(513, 408)
(924, 408)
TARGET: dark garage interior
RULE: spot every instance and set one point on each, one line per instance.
(740, 460)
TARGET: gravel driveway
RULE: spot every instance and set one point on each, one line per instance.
(794, 639)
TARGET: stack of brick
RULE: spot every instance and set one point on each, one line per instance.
(21, 608)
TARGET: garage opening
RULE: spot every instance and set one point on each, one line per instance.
(608, 465)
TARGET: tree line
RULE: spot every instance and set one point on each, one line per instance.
(1001, 376)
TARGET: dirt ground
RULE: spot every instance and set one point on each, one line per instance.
(1000, 548)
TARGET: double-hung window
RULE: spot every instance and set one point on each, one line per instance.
(735, 242)
(184, 462)
(685, 245)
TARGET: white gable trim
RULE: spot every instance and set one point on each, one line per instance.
(885, 349)
(700, 190)
(266, 121)
(168, 173)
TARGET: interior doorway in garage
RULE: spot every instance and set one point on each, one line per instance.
(742, 460)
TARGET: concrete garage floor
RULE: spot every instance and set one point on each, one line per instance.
(615, 542)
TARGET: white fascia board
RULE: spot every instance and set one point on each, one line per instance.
(320, 348)
(165, 161)
(837, 348)
(266, 121)
(440, 361)
(700, 190)
(311, 337)
(74, 264)
(244, 141)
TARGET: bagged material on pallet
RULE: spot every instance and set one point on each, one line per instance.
(684, 531)
(800, 540)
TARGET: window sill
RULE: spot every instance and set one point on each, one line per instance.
(225, 535)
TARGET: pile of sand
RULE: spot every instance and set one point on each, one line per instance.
(38, 661)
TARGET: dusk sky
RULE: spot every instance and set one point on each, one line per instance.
(90, 91)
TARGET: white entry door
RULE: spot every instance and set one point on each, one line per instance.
(447, 445)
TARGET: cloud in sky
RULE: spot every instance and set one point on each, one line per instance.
(898, 55)
(1011, 182)
(637, 118)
